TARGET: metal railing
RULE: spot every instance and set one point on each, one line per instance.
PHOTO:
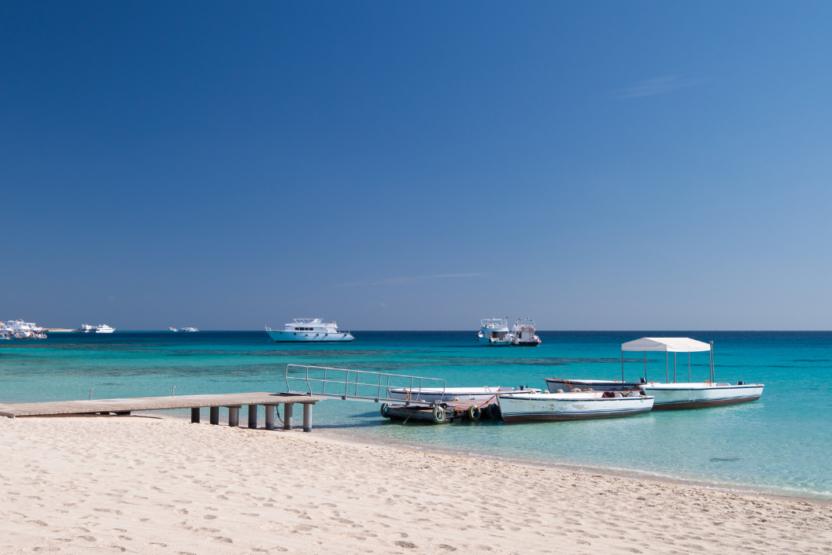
(359, 385)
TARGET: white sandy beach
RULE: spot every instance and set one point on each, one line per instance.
(140, 485)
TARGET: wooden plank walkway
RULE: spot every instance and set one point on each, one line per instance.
(232, 401)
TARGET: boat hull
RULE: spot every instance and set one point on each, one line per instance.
(560, 407)
(553, 384)
(308, 337)
(431, 395)
(679, 397)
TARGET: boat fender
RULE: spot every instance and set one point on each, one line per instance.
(494, 411)
(474, 413)
(438, 414)
(384, 412)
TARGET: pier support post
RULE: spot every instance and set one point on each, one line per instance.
(252, 416)
(270, 417)
(233, 416)
(215, 415)
(287, 415)
(307, 417)
(195, 415)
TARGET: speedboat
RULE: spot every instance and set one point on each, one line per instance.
(585, 405)
(104, 328)
(309, 329)
(522, 334)
(189, 329)
(433, 394)
(494, 332)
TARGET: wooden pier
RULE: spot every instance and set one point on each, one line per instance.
(233, 402)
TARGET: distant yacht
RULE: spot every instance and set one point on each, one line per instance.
(86, 328)
(104, 328)
(174, 330)
(189, 329)
(309, 329)
(494, 332)
(522, 334)
(24, 330)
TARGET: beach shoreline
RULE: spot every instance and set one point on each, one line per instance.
(133, 484)
(343, 434)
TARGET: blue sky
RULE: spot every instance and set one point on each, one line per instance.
(417, 165)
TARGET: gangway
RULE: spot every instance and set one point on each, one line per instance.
(357, 385)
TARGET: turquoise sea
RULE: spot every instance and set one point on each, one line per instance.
(781, 444)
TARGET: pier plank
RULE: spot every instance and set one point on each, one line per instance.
(57, 408)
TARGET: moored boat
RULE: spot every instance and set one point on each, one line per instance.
(309, 329)
(522, 334)
(494, 332)
(104, 328)
(434, 394)
(589, 405)
(554, 384)
(678, 396)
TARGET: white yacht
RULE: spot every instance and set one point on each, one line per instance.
(522, 334)
(25, 330)
(104, 328)
(494, 332)
(86, 328)
(174, 330)
(309, 329)
(189, 329)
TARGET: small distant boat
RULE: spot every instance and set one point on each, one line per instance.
(554, 407)
(433, 394)
(189, 329)
(104, 328)
(86, 328)
(309, 330)
(174, 330)
(24, 330)
(522, 334)
(494, 332)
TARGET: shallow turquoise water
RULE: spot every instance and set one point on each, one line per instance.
(780, 444)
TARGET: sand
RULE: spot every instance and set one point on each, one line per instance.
(140, 485)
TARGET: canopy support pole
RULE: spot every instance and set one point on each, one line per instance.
(674, 367)
(622, 365)
(688, 366)
(666, 371)
(645, 366)
(713, 371)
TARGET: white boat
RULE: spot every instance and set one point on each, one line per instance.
(689, 395)
(104, 328)
(309, 329)
(189, 329)
(24, 330)
(560, 385)
(433, 394)
(86, 328)
(494, 332)
(678, 396)
(174, 330)
(5, 333)
(522, 334)
(590, 405)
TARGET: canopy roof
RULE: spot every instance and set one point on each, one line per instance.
(669, 344)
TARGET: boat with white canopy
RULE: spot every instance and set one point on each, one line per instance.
(688, 395)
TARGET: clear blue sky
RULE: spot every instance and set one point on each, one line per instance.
(417, 165)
